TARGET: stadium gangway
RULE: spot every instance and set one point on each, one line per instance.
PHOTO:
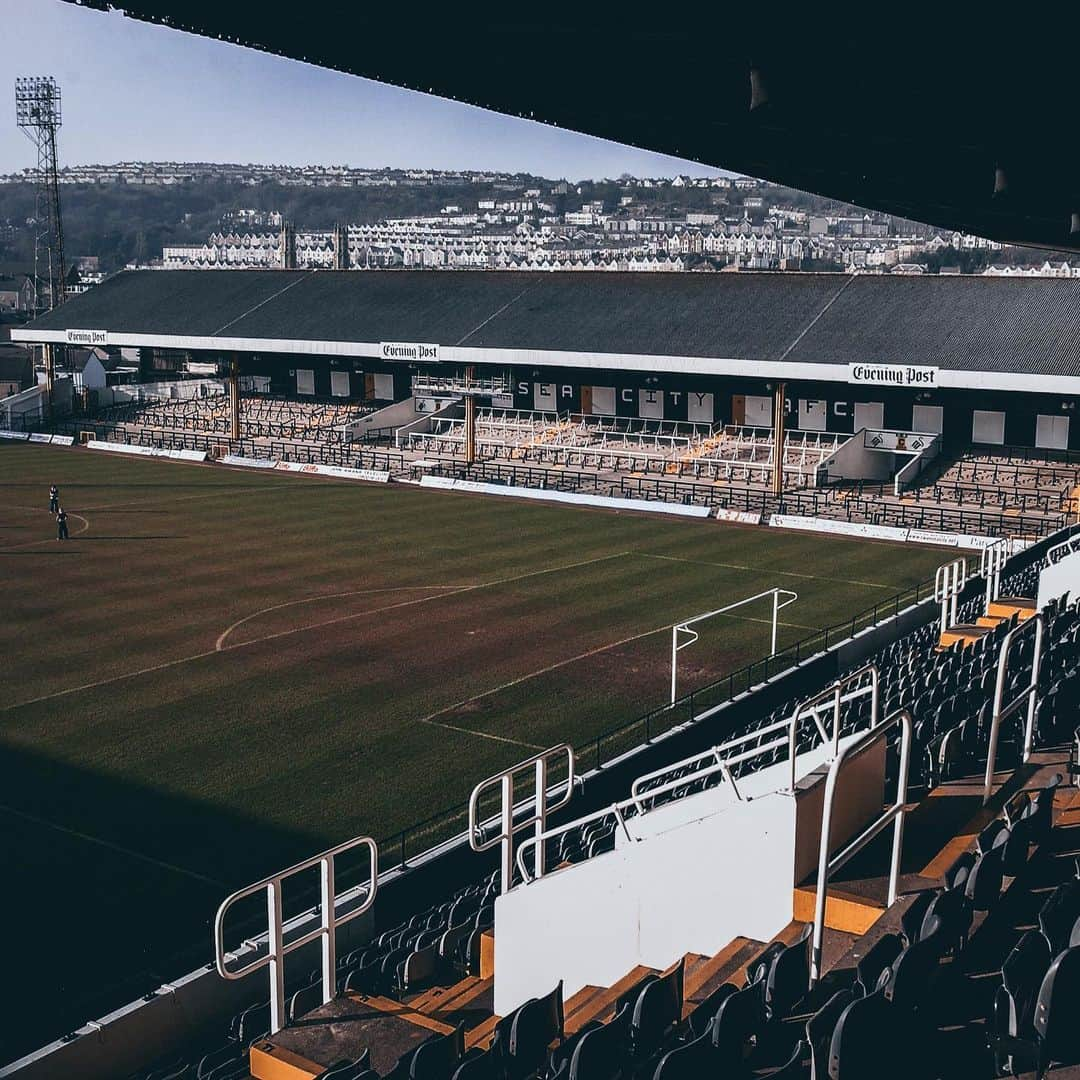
(893, 814)
(721, 760)
(539, 764)
(326, 932)
(1027, 696)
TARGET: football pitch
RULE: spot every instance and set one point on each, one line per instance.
(224, 671)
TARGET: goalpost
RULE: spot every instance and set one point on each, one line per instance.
(781, 598)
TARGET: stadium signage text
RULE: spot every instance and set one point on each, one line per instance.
(87, 337)
(892, 375)
(408, 350)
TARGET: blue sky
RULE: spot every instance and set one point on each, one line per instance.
(132, 91)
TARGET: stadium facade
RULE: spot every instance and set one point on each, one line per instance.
(980, 360)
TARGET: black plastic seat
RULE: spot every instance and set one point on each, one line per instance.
(913, 970)
(879, 958)
(789, 976)
(1056, 1012)
(657, 1010)
(437, 1057)
(983, 886)
(700, 1020)
(1058, 914)
(741, 1019)
(819, 1032)
(535, 1026)
(1022, 974)
(912, 919)
(477, 1065)
(688, 1062)
(869, 1041)
(602, 1054)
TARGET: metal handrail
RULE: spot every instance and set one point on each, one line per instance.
(1028, 695)
(992, 561)
(949, 582)
(277, 949)
(541, 808)
(835, 693)
(827, 866)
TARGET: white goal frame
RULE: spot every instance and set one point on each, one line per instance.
(683, 627)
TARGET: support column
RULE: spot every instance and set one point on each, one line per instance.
(234, 398)
(49, 355)
(470, 419)
(778, 440)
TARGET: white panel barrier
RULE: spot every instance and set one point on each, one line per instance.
(147, 451)
(648, 902)
(744, 517)
(248, 462)
(375, 476)
(1062, 576)
(20, 436)
(887, 532)
(575, 498)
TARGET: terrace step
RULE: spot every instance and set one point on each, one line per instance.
(437, 996)
(1007, 606)
(343, 1028)
(738, 953)
(962, 634)
(847, 911)
(601, 1006)
(476, 996)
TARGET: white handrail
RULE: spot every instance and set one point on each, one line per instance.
(539, 763)
(836, 694)
(827, 866)
(1028, 694)
(277, 949)
(949, 582)
(992, 561)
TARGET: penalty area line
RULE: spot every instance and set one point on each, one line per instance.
(430, 718)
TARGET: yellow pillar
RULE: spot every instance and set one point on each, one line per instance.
(234, 397)
(778, 440)
(470, 419)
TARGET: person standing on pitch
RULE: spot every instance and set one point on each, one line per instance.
(61, 524)
(54, 499)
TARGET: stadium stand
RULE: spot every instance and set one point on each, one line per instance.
(972, 971)
(263, 416)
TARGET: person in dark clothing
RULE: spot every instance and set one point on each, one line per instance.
(54, 499)
(61, 524)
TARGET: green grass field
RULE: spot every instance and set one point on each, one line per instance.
(225, 671)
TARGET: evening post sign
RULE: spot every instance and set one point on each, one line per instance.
(87, 337)
(413, 351)
(893, 375)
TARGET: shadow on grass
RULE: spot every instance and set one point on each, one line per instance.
(104, 926)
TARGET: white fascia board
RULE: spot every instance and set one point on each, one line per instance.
(948, 379)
